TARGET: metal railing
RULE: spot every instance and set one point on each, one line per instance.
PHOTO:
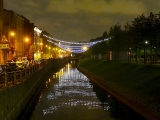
(15, 77)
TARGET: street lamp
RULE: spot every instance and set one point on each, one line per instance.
(12, 44)
(146, 42)
(26, 52)
(26, 39)
(12, 34)
(129, 54)
(84, 48)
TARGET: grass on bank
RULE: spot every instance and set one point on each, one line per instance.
(139, 80)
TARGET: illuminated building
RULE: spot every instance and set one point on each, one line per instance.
(16, 28)
(1, 25)
(38, 43)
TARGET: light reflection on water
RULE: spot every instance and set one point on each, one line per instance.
(70, 95)
(69, 90)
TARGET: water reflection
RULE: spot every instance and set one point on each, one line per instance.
(117, 109)
(72, 89)
(68, 94)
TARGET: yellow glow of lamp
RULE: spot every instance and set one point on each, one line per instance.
(26, 39)
(12, 33)
(84, 48)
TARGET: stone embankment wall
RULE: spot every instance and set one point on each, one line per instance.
(13, 98)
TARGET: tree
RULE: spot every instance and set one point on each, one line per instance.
(137, 28)
(116, 34)
(128, 39)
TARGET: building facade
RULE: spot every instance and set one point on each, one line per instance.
(1, 27)
(28, 38)
(1, 15)
(38, 44)
(19, 33)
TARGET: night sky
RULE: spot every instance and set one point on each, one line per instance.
(80, 20)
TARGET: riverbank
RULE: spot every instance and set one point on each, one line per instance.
(136, 85)
(53, 66)
(15, 97)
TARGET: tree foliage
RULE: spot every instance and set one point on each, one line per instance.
(131, 36)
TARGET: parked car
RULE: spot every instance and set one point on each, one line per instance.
(20, 65)
(25, 63)
(4, 68)
(12, 66)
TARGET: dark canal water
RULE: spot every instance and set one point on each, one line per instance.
(70, 95)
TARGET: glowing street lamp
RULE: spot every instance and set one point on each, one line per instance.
(12, 34)
(26, 46)
(26, 39)
(85, 48)
(146, 42)
(12, 44)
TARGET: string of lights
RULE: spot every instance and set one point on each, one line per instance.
(73, 46)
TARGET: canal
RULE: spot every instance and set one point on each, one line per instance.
(69, 95)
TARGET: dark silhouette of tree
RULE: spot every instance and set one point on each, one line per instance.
(128, 40)
(116, 34)
(105, 35)
(137, 27)
(132, 38)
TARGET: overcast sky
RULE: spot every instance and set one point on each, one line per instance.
(80, 20)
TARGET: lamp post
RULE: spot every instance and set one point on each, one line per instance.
(12, 44)
(49, 51)
(26, 52)
(146, 42)
(129, 54)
